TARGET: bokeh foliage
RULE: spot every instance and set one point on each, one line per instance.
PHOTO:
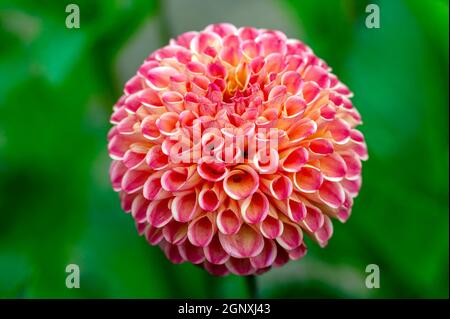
(57, 87)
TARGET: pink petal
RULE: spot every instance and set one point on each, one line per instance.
(245, 243)
(291, 238)
(255, 208)
(214, 252)
(271, 227)
(333, 167)
(216, 270)
(293, 160)
(267, 255)
(158, 213)
(241, 182)
(191, 253)
(201, 231)
(175, 232)
(184, 207)
(139, 208)
(241, 267)
(228, 222)
(308, 179)
(314, 219)
(134, 180)
(332, 194)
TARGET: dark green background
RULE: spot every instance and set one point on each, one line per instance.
(57, 88)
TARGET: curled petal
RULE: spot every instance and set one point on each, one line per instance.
(313, 220)
(241, 182)
(191, 253)
(278, 186)
(271, 227)
(159, 78)
(245, 243)
(209, 198)
(255, 208)
(266, 164)
(333, 167)
(185, 207)
(134, 180)
(267, 255)
(139, 208)
(238, 266)
(324, 233)
(332, 194)
(158, 213)
(214, 252)
(216, 270)
(201, 231)
(172, 253)
(175, 232)
(154, 235)
(293, 159)
(308, 179)
(211, 169)
(291, 238)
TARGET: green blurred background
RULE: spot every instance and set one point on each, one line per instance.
(57, 88)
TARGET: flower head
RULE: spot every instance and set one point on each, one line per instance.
(230, 146)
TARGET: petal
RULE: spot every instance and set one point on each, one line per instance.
(294, 106)
(201, 231)
(293, 81)
(321, 146)
(191, 253)
(255, 208)
(214, 252)
(267, 255)
(159, 77)
(133, 160)
(116, 172)
(297, 253)
(308, 179)
(333, 167)
(323, 234)
(139, 208)
(241, 267)
(245, 243)
(301, 130)
(228, 222)
(241, 182)
(212, 169)
(208, 199)
(154, 235)
(291, 238)
(134, 180)
(271, 227)
(216, 270)
(314, 219)
(293, 159)
(158, 213)
(156, 159)
(175, 232)
(185, 207)
(332, 194)
(172, 253)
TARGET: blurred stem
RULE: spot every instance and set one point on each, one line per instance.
(251, 283)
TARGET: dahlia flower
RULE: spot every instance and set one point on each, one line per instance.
(231, 146)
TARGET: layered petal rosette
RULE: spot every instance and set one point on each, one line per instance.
(231, 146)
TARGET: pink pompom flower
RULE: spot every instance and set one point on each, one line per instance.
(231, 146)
